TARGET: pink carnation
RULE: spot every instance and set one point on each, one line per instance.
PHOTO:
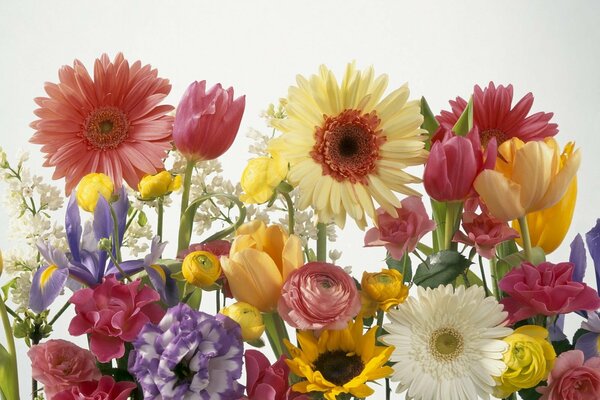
(104, 389)
(113, 313)
(60, 365)
(319, 296)
(572, 379)
(547, 289)
(402, 234)
(484, 232)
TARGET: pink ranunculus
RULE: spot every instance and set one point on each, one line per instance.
(402, 234)
(572, 378)
(453, 164)
(319, 295)
(207, 122)
(113, 313)
(60, 365)
(547, 289)
(104, 389)
(484, 232)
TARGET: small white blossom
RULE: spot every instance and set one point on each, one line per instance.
(334, 255)
(19, 294)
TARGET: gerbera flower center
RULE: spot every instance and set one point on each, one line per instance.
(339, 367)
(446, 344)
(488, 134)
(106, 127)
(347, 145)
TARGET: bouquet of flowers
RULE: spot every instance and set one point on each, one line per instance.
(466, 307)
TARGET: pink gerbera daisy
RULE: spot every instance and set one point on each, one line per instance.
(493, 115)
(112, 123)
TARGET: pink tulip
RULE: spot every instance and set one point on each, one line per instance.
(572, 378)
(206, 123)
(453, 164)
(104, 389)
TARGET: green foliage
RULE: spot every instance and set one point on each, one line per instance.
(465, 122)
(404, 266)
(529, 394)
(441, 268)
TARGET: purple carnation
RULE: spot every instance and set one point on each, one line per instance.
(189, 354)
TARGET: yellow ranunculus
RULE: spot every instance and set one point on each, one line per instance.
(90, 188)
(260, 178)
(528, 177)
(260, 260)
(386, 287)
(529, 359)
(549, 227)
(153, 186)
(248, 317)
(201, 269)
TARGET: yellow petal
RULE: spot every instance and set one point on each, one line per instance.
(561, 182)
(292, 256)
(501, 196)
(532, 170)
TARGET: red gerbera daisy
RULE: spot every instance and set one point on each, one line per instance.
(493, 115)
(112, 123)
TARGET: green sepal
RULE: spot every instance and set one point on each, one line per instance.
(284, 187)
(142, 218)
(465, 122)
(441, 268)
(430, 124)
(257, 343)
(404, 266)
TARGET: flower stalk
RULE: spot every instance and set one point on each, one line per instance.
(321, 242)
(9, 383)
(187, 184)
(276, 333)
(526, 237)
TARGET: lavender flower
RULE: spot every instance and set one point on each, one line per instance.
(189, 355)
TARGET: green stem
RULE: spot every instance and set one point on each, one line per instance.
(495, 278)
(160, 212)
(118, 266)
(526, 238)
(59, 313)
(218, 291)
(290, 210)
(450, 224)
(466, 279)
(11, 385)
(388, 390)
(276, 332)
(483, 278)
(13, 314)
(321, 242)
(116, 241)
(187, 183)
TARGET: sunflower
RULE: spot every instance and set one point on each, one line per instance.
(347, 145)
(448, 343)
(339, 361)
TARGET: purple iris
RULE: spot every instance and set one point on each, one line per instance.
(189, 355)
(588, 342)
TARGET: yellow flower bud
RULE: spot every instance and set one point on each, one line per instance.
(249, 318)
(201, 268)
(90, 188)
(152, 186)
(529, 359)
(260, 178)
(386, 287)
(368, 306)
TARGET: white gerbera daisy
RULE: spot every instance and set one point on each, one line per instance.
(447, 343)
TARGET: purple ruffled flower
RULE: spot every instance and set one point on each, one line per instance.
(189, 355)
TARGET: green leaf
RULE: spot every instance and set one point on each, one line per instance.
(257, 343)
(515, 259)
(530, 394)
(8, 371)
(7, 286)
(473, 279)
(441, 268)
(465, 122)
(404, 266)
(506, 248)
(561, 346)
(142, 218)
(430, 124)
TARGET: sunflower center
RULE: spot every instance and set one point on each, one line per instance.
(487, 135)
(347, 145)
(106, 127)
(339, 367)
(446, 344)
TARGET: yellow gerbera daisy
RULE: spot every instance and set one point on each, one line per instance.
(347, 144)
(339, 361)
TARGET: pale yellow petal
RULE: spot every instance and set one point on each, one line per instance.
(501, 196)
(561, 182)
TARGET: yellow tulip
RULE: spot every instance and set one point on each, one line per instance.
(549, 227)
(90, 188)
(201, 269)
(528, 177)
(386, 287)
(248, 317)
(260, 260)
(152, 186)
(529, 359)
(260, 178)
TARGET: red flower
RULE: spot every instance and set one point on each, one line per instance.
(113, 313)
(484, 232)
(105, 389)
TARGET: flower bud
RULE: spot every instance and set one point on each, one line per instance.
(248, 317)
(105, 244)
(260, 178)
(386, 287)
(90, 188)
(152, 186)
(201, 268)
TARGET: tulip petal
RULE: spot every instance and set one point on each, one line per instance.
(532, 169)
(501, 196)
(293, 258)
(274, 241)
(592, 239)
(560, 183)
(47, 283)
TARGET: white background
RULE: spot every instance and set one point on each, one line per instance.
(441, 48)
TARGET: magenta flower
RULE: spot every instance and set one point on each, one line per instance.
(572, 378)
(206, 123)
(547, 289)
(263, 380)
(453, 164)
(60, 365)
(113, 313)
(484, 232)
(319, 295)
(104, 389)
(402, 234)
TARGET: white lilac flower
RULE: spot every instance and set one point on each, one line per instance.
(447, 343)
(19, 294)
(189, 355)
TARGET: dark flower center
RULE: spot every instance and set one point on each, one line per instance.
(106, 127)
(183, 373)
(488, 134)
(347, 145)
(339, 367)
